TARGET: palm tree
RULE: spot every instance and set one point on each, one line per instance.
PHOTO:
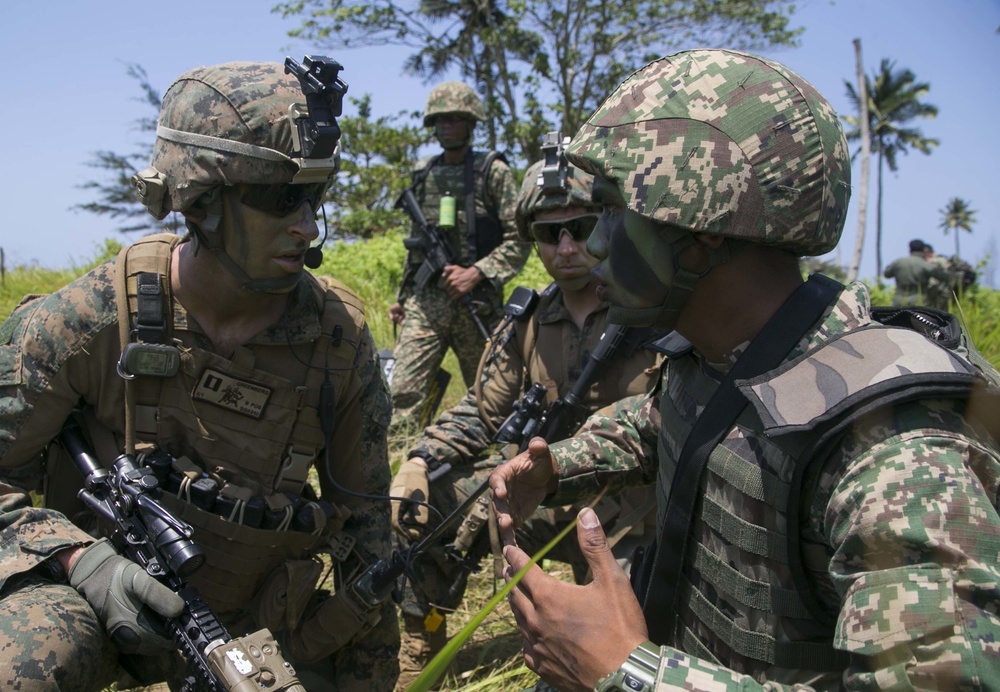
(957, 215)
(893, 101)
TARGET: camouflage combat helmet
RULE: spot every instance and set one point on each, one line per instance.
(722, 142)
(453, 97)
(535, 197)
(225, 125)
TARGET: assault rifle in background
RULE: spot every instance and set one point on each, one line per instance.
(531, 418)
(146, 533)
(437, 252)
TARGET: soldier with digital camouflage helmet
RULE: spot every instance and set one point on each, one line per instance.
(548, 343)
(218, 362)
(826, 471)
(469, 195)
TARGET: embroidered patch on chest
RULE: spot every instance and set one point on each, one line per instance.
(241, 396)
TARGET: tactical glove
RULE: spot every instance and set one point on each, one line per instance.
(117, 589)
(409, 518)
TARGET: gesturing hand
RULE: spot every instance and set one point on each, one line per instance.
(519, 486)
(576, 635)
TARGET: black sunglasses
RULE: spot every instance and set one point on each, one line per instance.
(283, 199)
(579, 229)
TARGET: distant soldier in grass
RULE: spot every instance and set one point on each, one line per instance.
(550, 346)
(913, 275)
(827, 483)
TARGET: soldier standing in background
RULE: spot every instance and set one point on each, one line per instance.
(826, 483)
(549, 346)
(478, 192)
(913, 274)
(274, 371)
(938, 290)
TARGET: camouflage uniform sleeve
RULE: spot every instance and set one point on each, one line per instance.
(614, 449)
(507, 259)
(42, 376)
(461, 434)
(360, 463)
(913, 524)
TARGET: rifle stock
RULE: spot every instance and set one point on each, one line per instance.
(146, 533)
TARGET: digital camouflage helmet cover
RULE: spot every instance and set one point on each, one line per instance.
(722, 142)
(725, 143)
(231, 124)
(453, 97)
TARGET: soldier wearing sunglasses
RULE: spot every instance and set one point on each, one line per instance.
(219, 355)
(550, 346)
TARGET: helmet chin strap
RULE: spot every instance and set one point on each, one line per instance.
(664, 317)
(207, 234)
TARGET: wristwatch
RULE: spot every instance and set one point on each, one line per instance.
(636, 674)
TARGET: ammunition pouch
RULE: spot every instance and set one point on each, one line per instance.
(285, 594)
(333, 622)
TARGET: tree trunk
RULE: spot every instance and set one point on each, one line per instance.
(866, 155)
(878, 221)
(957, 232)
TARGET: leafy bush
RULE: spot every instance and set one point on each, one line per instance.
(24, 280)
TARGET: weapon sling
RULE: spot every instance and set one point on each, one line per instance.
(765, 352)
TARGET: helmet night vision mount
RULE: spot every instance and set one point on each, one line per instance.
(316, 134)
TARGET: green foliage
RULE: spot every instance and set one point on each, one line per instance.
(893, 99)
(536, 62)
(24, 280)
(959, 215)
(374, 152)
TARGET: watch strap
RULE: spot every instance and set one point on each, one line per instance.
(637, 674)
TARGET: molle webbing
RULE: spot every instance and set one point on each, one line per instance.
(758, 646)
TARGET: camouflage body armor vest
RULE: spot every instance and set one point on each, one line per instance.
(251, 424)
(432, 180)
(743, 600)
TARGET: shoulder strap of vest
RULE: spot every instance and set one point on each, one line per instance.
(423, 169)
(779, 335)
(342, 311)
(142, 288)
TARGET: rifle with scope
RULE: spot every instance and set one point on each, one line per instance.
(437, 252)
(146, 533)
(529, 419)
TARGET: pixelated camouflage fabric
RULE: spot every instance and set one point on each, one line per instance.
(727, 143)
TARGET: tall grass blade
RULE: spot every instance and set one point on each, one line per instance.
(439, 664)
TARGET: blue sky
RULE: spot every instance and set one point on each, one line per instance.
(67, 95)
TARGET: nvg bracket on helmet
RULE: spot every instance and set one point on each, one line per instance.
(552, 175)
(316, 134)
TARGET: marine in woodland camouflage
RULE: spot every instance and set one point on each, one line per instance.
(61, 349)
(240, 102)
